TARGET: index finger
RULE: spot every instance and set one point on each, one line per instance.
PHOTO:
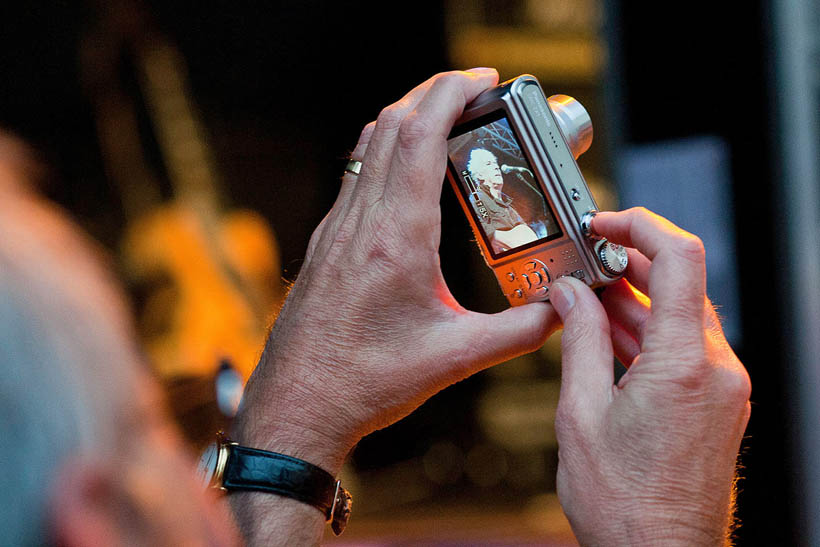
(677, 275)
(419, 162)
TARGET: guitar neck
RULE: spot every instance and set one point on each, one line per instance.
(178, 128)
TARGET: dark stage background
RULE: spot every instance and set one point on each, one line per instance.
(284, 88)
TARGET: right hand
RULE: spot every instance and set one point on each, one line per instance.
(370, 330)
(650, 460)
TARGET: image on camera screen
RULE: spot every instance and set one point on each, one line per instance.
(498, 181)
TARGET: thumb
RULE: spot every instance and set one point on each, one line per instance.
(489, 339)
(586, 349)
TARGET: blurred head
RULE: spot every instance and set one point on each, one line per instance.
(89, 453)
(483, 167)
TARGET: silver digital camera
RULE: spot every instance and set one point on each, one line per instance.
(511, 161)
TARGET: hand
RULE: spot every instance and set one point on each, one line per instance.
(370, 330)
(651, 460)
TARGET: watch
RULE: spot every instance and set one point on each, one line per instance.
(226, 466)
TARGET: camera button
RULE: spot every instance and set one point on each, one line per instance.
(518, 293)
(545, 273)
(586, 222)
(533, 265)
(527, 280)
(535, 278)
(541, 291)
(511, 276)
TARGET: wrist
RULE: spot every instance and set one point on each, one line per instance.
(679, 528)
(292, 421)
(266, 519)
(277, 424)
(284, 436)
(654, 525)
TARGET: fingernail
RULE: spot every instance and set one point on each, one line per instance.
(481, 70)
(562, 296)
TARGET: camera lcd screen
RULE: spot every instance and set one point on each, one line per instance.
(498, 182)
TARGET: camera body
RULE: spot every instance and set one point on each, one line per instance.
(511, 161)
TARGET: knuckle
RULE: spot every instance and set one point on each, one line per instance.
(451, 83)
(727, 384)
(390, 118)
(316, 236)
(638, 216)
(640, 212)
(683, 243)
(569, 422)
(448, 79)
(642, 217)
(691, 247)
(736, 385)
(581, 330)
(696, 376)
(414, 129)
(367, 132)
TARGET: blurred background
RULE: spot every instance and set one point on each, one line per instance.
(201, 142)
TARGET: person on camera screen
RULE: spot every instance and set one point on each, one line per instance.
(503, 225)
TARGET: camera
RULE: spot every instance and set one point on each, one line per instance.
(511, 162)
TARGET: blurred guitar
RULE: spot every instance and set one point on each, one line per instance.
(504, 240)
(210, 277)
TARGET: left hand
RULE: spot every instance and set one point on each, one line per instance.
(650, 460)
(370, 329)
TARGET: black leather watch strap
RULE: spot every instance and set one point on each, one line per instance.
(252, 469)
(262, 471)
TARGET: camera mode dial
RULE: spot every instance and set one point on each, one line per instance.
(613, 257)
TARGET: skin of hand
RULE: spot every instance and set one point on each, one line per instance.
(370, 330)
(651, 460)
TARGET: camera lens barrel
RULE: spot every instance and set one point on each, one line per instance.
(574, 121)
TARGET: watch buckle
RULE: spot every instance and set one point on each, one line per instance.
(340, 510)
(223, 451)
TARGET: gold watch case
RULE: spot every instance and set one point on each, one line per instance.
(212, 463)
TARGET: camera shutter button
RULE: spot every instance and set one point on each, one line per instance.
(613, 257)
